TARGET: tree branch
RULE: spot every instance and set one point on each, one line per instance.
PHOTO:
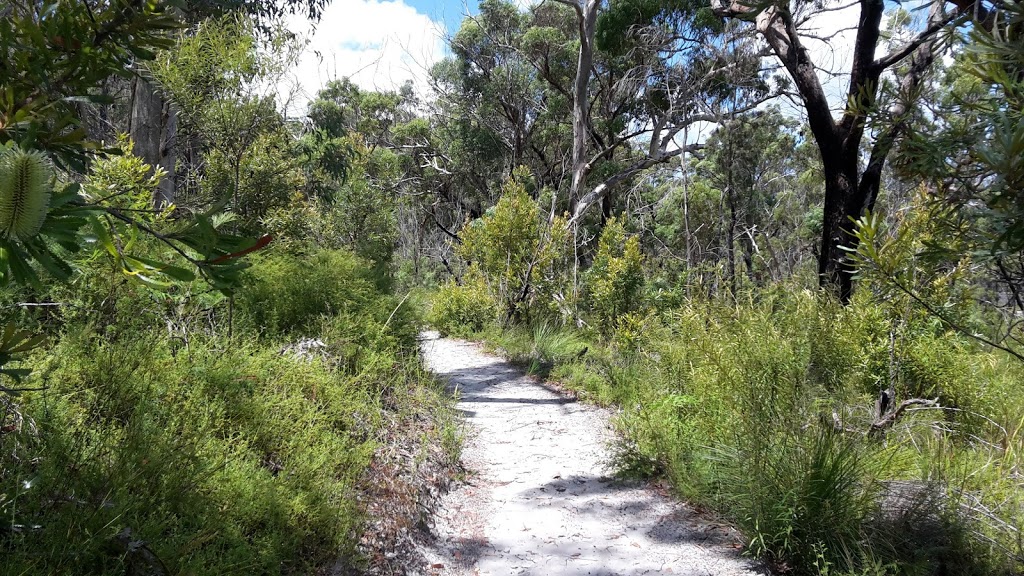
(603, 188)
(926, 35)
(890, 419)
(447, 232)
(863, 73)
(931, 310)
(162, 238)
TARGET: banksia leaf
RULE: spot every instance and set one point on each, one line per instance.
(25, 186)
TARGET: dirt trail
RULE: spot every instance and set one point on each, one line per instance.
(538, 500)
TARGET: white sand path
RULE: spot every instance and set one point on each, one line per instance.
(539, 500)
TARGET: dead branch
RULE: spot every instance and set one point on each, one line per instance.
(887, 421)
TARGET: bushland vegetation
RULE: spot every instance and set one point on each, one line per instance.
(205, 369)
(849, 400)
(807, 315)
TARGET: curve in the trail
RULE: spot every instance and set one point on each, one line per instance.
(538, 500)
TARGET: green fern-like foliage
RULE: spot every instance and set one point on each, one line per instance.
(25, 186)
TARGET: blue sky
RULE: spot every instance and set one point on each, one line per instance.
(450, 11)
(380, 44)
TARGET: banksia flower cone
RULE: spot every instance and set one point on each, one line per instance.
(25, 185)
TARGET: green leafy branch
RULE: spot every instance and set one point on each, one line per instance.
(56, 54)
(13, 344)
(877, 257)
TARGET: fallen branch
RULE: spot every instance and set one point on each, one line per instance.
(887, 421)
(884, 422)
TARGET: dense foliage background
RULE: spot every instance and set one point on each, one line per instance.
(809, 319)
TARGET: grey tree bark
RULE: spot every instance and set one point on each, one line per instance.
(153, 130)
(586, 15)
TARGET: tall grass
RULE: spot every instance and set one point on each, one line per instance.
(761, 408)
(802, 499)
(537, 349)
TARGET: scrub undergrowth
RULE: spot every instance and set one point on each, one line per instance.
(156, 439)
(765, 412)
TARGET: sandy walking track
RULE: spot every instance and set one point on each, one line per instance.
(538, 500)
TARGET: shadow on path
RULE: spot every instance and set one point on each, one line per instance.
(542, 502)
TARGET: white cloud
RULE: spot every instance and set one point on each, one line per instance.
(378, 44)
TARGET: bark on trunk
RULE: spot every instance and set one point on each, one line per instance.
(747, 245)
(834, 270)
(606, 209)
(153, 129)
(847, 193)
(587, 15)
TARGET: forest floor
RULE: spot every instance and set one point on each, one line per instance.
(539, 498)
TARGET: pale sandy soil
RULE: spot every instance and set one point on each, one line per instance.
(539, 499)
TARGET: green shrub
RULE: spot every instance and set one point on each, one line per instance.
(633, 331)
(153, 445)
(583, 379)
(849, 346)
(761, 409)
(554, 343)
(232, 459)
(462, 309)
(615, 280)
(537, 349)
(521, 258)
(287, 295)
(801, 498)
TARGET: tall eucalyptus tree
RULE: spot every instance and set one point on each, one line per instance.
(851, 188)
